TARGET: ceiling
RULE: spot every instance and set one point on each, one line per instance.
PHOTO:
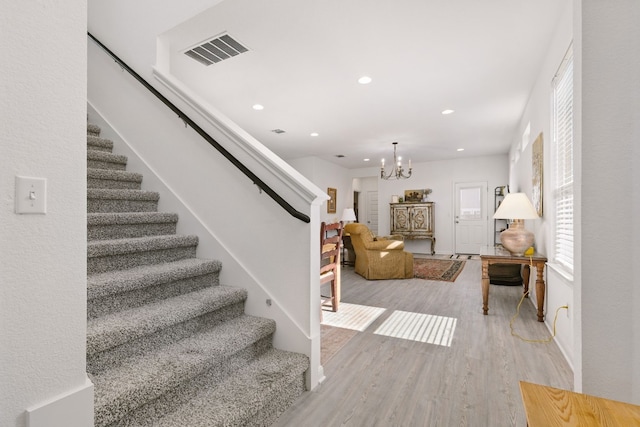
(304, 59)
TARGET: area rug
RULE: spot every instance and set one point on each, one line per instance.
(332, 340)
(437, 269)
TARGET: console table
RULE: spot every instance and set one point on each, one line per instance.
(547, 406)
(496, 255)
(413, 221)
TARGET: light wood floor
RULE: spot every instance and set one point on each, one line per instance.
(381, 381)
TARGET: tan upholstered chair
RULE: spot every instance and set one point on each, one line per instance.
(379, 258)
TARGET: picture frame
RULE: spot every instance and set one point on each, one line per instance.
(331, 203)
(537, 168)
(412, 196)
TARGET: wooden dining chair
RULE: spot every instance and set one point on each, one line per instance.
(330, 239)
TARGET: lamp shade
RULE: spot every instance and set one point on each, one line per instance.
(516, 206)
(348, 215)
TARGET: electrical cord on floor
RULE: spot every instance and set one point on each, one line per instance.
(528, 340)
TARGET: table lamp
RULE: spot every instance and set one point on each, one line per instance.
(348, 214)
(517, 207)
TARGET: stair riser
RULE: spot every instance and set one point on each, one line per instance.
(99, 148)
(129, 260)
(98, 164)
(115, 356)
(182, 393)
(124, 231)
(120, 205)
(113, 184)
(281, 398)
(102, 306)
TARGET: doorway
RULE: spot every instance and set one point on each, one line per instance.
(470, 216)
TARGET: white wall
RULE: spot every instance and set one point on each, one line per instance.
(440, 176)
(610, 190)
(560, 288)
(601, 338)
(43, 257)
(325, 174)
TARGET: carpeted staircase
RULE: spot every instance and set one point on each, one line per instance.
(167, 345)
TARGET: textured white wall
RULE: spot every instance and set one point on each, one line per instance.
(43, 257)
(610, 190)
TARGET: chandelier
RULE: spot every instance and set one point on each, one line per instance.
(398, 171)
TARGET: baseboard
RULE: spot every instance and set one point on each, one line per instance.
(71, 409)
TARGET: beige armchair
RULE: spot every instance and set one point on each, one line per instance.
(379, 258)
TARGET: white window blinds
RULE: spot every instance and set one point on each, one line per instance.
(563, 165)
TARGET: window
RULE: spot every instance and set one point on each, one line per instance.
(563, 164)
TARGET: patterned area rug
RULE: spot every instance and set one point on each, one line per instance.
(437, 269)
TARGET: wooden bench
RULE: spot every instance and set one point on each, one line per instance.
(548, 407)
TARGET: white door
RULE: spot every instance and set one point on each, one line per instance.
(470, 217)
(372, 211)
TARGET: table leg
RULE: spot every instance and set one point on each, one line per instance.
(485, 287)
(433, 245)
(540, 289)
(526, 273)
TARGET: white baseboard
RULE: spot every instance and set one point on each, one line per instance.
(71, 409)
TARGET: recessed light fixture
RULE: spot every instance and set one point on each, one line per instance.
(340, 156)
(460, 149)
(366, 160)
(445, 112)
(314, 134)
(364, 80)
(258, 107)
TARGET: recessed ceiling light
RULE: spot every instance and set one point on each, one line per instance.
(364, 80)
(339, 156)
(314, 134)
(366, 160)
(258, 107)
(460, 149)
(445, 112)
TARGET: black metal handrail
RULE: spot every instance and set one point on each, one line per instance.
(182, 116)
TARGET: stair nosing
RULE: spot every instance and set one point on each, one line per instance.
(114, 175)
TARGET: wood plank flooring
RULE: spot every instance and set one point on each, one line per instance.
(377, 380)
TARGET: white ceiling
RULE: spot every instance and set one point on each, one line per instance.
(479, 58)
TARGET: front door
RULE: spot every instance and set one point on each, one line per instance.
(470, 217)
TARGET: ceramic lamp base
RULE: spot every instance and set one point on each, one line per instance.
(516, 239)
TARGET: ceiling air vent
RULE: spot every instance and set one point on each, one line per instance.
(277, 131)
(216, 50)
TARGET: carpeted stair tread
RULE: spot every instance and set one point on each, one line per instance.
(94, 142)
(100, 248)
(119, 281)
(118, 328)
(239, 399)
(113, 175)
(102, 156)
(150, 375)
(93, 129)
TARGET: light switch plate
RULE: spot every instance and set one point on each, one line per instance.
(31, 195)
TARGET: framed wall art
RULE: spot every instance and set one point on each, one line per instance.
(331, 203)
(537, 165)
